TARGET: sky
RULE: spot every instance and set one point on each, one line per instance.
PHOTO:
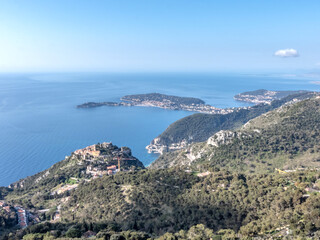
(159, 35)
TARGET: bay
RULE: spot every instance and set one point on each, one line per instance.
(40, 124)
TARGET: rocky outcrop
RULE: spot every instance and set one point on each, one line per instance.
(83, 164)
(156, 147)
(225, 137)
(221, 137)
(197, 151)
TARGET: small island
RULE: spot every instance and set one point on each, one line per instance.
(161, 101)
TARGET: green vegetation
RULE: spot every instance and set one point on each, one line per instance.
(32, 192)
(199, 127)
(7, 219)
(287, 138)
(161, 98)
(4, 192)
(284, 138)
(225, 188)
(264, 95)
(173, 201)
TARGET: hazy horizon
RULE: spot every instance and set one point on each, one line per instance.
(159, 36)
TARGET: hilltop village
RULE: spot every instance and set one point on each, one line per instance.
(82, 166)
(105, 158)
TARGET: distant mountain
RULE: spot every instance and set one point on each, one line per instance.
(285, 138)
(199, 127)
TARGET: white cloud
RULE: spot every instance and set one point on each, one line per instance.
(285, 53)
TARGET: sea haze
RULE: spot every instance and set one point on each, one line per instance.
(40, 124)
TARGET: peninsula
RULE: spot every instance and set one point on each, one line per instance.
(264, 96)
(100, 104)
(162, 101)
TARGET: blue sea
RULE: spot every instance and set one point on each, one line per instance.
(40, 124)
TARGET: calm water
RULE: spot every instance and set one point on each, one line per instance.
(39, 124)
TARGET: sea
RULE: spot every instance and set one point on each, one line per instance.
(40, 124)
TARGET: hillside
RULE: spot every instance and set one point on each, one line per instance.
(172, 204)
(285, 138)
(90, 162)
(158, 97)
(199, 127)
(38, 197)
(264, 96)
(225, 188)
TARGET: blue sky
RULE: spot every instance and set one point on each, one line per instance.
(159, 35)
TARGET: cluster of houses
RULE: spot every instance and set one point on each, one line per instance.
(21, 213)
(5, 206)
(100, 159)
(99, 172)
(104, 158)
(167, 104)
(22, 217)
(204, 108)
(89, 151)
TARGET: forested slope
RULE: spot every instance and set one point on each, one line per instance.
(160, 201)
(287, 137)
(199, 127)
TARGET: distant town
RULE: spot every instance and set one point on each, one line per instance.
(264, 96)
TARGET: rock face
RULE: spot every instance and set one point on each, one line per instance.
(224, 137)
(156, 147)
(197, 151)
(221, 137)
